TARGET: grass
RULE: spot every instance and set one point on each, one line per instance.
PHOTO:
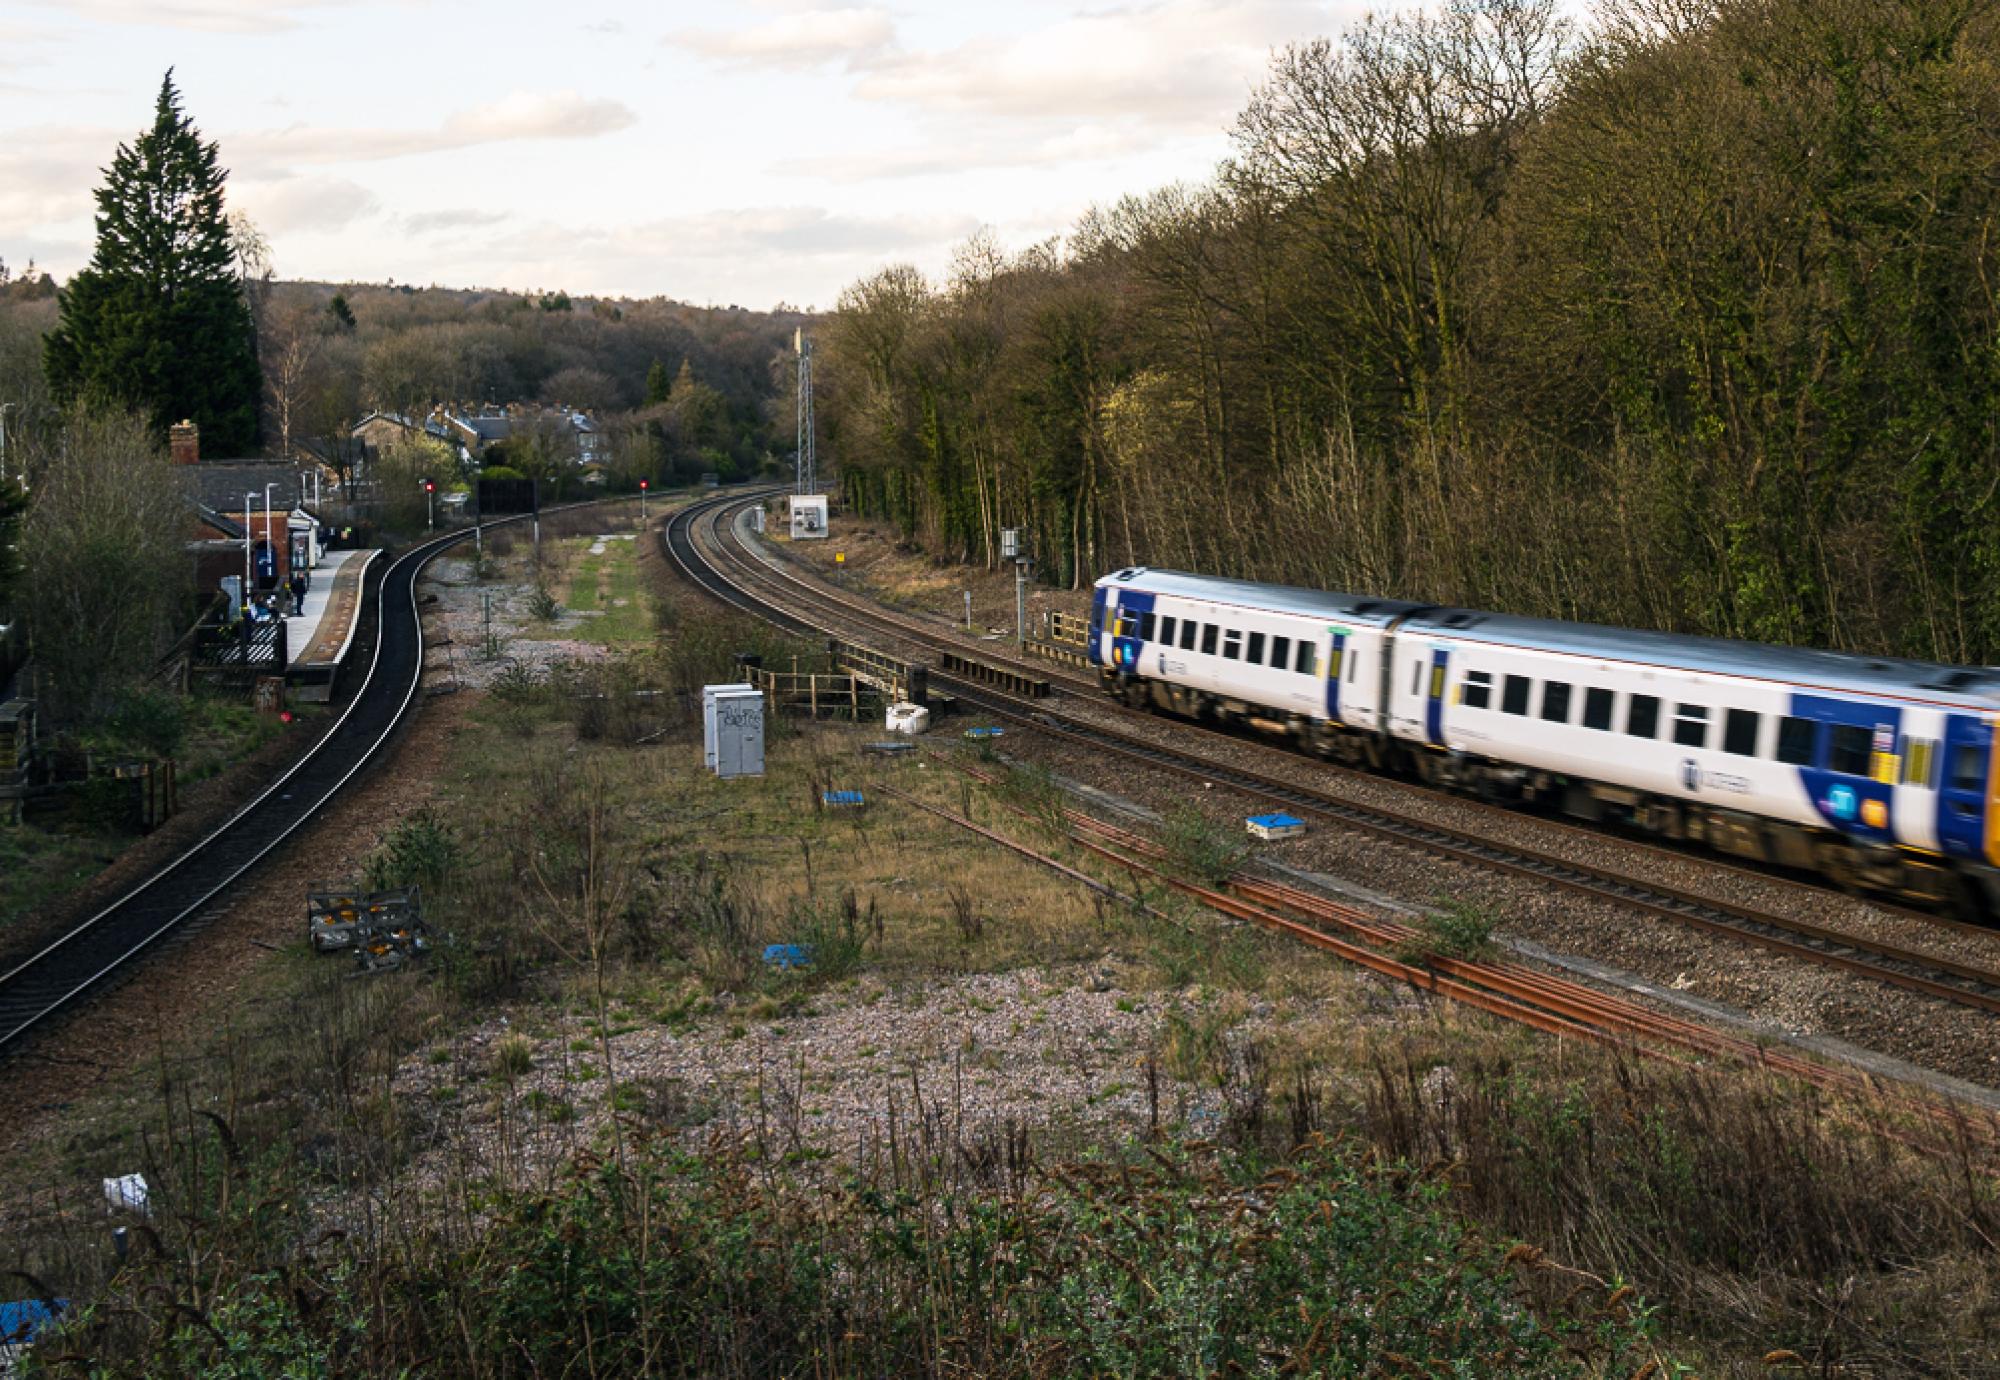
(1361, 1193)
(607, 587)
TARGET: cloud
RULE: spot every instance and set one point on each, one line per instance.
(457, 218)
(47, 173)
(1178, 63)
(304, 203)
(799, 231)
(1065, 145)
(519, 115)
(210, 16)
(807, 38)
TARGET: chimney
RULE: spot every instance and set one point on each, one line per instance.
(184, 443)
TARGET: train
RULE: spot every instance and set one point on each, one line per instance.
(1873, 773)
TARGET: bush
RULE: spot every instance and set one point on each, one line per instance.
(1454, 929)
(421, 850)
(152, 721)
(1201, 849)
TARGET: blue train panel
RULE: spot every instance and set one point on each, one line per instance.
(1854, 803)
(1336, 670)
(1133, 606)
(1962, 788)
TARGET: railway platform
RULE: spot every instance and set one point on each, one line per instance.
(323, 633)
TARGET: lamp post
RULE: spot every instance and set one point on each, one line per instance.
(243, 607)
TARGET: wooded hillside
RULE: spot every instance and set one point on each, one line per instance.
(1683, 320)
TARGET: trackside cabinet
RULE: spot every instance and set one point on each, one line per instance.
(733, 730)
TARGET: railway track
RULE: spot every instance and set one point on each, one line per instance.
(195, 885)
(698, 545)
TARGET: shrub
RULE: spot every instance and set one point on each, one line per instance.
(1199, 848)
(420, 850)
(152, 721)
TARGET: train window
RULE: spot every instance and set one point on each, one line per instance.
(1642, 716)
(1307, 661)
(1256, 656)
(1968, 768)
(1353, 668)
(1208, 632)
(1514, 695)
(1739, 733)
(1416, 677)
(1166, 630)
(1145, 627)
(1795, 741)
(1848, 747)
(1691, 725)
(1188, 630)
(1597, 703)
(1232, 645)
(1478, 689)
(1281, 652)
(1917, 762)
(1555, 701)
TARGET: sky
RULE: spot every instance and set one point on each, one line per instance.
(751, 153)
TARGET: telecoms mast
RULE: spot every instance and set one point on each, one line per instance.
(808, 503)
(806, 479)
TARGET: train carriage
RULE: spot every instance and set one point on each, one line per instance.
(1876, 772)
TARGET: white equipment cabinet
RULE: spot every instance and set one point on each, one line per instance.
(808, 517)
(732, 722)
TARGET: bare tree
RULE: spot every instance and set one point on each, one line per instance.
(107, 575)
(293, 345)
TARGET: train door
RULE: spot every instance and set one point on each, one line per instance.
(1916, 768)
(1965, 786)
(1098, 600)
(1434, 696)
(1128, 621)
(1334, 659)
(1407, 693)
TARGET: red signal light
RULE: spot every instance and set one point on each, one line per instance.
(643, 483)
(430, 486)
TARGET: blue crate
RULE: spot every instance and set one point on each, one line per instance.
(788, 955)
(841, 799)
(21, 1322)
(985, 732)
(1275, 826)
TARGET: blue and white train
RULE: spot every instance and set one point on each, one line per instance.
(1876, 773)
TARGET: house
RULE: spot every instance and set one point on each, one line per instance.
(267, 503)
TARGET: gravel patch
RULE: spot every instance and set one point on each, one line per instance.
(966, 1056)
(455, 625)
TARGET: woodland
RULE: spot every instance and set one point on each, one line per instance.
(1678, 316)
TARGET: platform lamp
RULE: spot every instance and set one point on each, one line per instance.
(243, 602)
(1011, 550)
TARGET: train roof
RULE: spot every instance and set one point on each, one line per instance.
(1312, 603)
(1840, 672)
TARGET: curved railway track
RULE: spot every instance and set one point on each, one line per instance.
(736, 577)
(195, 884)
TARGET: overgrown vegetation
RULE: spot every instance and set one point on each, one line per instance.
(1679, 320)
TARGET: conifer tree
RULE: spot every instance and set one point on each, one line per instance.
(158, 319)
(658, 385)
